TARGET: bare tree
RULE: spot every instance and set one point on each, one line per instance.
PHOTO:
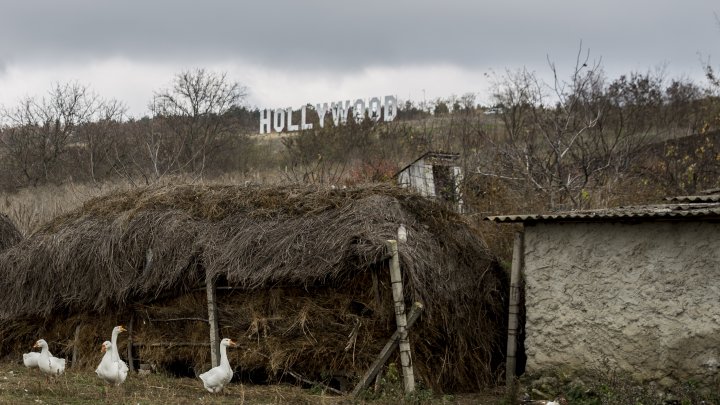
(37, 133)
(191, 121)
(562, 138)
(684, 106)
(467, 101)
(100, 135)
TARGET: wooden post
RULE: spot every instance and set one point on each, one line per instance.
(401, 318)
(385, 353)
(131, 364)
(514, 310)
(75, 345)
(213, 321)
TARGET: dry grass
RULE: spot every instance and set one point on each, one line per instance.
(29, 208)
(19, 385)
(9, 234)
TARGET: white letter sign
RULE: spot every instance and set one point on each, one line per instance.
(375, 108)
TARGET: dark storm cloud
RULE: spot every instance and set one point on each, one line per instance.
(342, 34)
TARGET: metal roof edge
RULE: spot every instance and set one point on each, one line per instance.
(670, 212)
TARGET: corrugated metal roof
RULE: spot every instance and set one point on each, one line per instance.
(691, 210)
(695, 198)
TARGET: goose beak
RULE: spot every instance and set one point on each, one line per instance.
(36, 345)
(232, 343)
(103, 349)
(122, 329)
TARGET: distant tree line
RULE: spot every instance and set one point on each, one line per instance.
(572, 142)
(196, 126)
(583, 140)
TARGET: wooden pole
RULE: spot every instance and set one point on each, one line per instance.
(75, 345)
(514, 310)
(387, 351)
(131, 363)
(401, 318)
(213, 321)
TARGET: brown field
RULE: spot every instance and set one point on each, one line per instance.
(19, 385)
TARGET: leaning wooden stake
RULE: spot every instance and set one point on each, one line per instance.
(401, 318)
(387, 351)
(213, 321)
(514, 310)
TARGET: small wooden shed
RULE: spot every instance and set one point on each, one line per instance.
(634, 288)
(435, 175)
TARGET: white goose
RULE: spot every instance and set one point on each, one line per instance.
(110, 369)
(217, 377)
(49, 365)
(30, 360)
(116, 372)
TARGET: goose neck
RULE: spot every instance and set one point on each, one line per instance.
(223, 357)
(115, 355)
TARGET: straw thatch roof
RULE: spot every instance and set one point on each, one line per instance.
(9, 234)
(137, 251)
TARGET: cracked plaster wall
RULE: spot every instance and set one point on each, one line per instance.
(645, 298)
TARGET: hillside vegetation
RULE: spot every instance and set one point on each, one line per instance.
(580, 141)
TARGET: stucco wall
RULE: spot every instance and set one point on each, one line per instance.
(645, 296)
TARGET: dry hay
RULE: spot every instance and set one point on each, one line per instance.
(300, 260)
(320, 332)
(9, 233)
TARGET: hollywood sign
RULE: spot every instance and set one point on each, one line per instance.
(282, 119)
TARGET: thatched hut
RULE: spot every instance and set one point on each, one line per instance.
(9, 234)
(301, 274)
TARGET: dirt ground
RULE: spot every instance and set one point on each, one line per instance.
(19, 385)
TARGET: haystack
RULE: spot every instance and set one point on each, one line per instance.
(9, 234)
(302, 279)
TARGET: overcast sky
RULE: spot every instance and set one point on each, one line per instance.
(290, 52)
